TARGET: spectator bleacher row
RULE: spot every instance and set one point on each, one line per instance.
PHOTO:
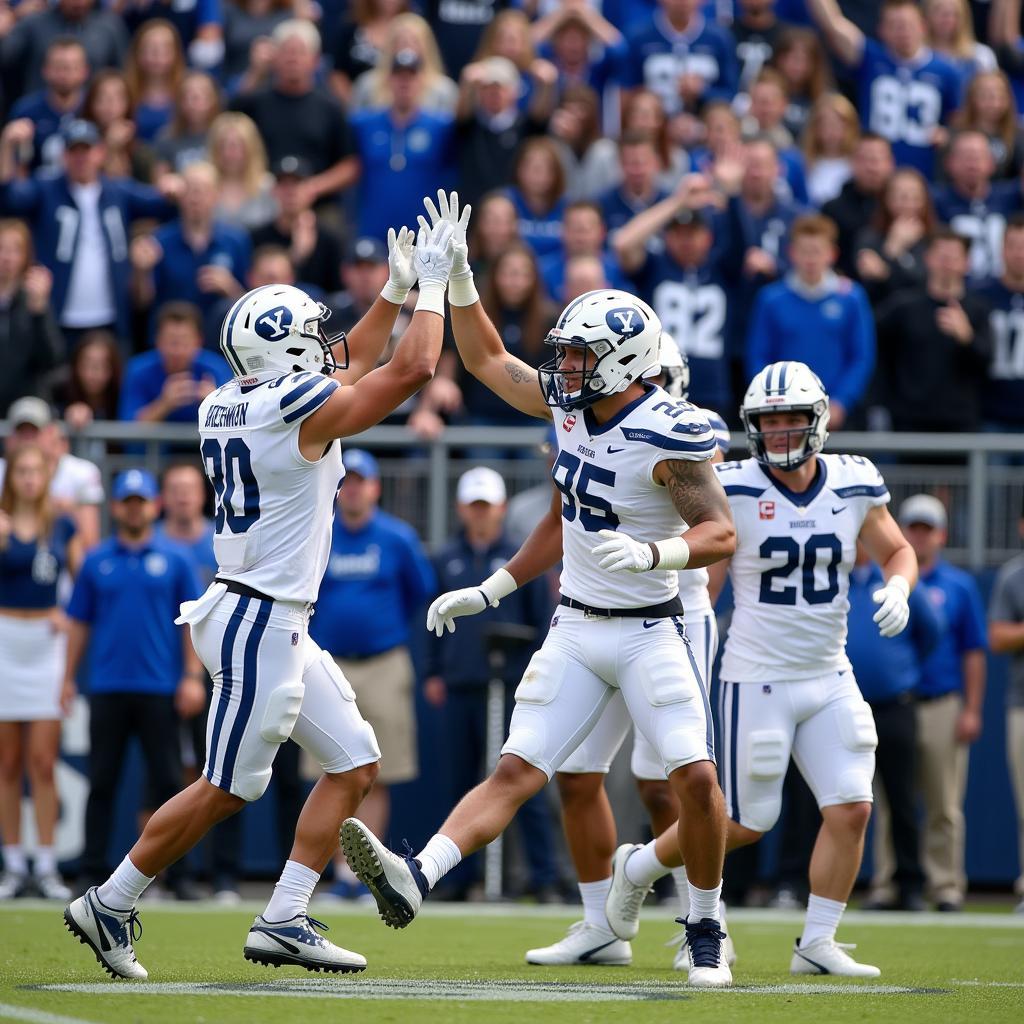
(157, 160)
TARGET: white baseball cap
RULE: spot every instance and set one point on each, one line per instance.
(480, 484)
(925, 509)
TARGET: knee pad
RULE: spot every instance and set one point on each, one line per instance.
(854, 785)
(664, 682)
(761, 815)
(251, 786)
(543, 677)
(857, 728)
(767, 754)
(681, 747)
(527, 737)
(281, 712)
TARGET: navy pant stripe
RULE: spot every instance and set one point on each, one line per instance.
(247, 693)
(734, 728)
(710, 731)
(227, 649)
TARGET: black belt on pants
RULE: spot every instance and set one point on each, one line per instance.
(665, 610)
(243, 589)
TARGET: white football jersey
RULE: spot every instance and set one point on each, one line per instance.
(605, 473)
(275, 509)
(791, 570)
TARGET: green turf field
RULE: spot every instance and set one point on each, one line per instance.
(462, 965)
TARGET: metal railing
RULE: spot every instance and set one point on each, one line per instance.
(980, 477)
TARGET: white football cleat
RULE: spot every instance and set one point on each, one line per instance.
(110, 933)
(624, 900)
(296, 943)
(705, 952)
(52, 887)
(584, 944)
(681, 961)
(12, 884)
(396, 883)
(826, 956)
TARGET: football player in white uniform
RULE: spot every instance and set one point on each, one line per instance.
(586, 813)
(787, 686)
(633, 468)
(269, 443)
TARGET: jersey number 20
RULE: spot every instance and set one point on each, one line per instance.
(818, 542)
(229, 467)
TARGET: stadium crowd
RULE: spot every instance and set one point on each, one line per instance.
(836, 183)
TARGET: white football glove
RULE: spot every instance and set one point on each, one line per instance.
(619, 551)
(434, 253)
(461, 290)
(450, 606)
(402, 274)
(892, 617)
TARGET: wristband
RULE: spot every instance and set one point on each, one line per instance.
(462, 290)
(500, 585)
(392, 293)
(673, 553)
(431, 297)
(899, 583)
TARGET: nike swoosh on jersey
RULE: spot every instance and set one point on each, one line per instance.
(651, 625)
(597, 949)
(836, 511)
(614, 451)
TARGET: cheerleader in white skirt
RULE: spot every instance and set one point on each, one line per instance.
(35, 547)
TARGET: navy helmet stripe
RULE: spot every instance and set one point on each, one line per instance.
(247, 690)
(313, 404)
(782, 376)
(768, 379)
(227, 649)
(297, 393)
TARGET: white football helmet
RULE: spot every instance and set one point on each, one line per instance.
(786, 387)
(675, 367)
(278, 327)
(619, 329)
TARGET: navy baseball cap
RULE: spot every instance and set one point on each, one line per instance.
(360, 462)
(80, 132)
(368, 250)
(135, 483)
(293, 167)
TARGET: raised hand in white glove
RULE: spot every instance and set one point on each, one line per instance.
(402, 274)
(894, 612)
(461, 290)
(619, 551)
(434, 253)
(469, 601)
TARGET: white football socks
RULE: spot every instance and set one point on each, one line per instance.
(594, 895)
(704, 903)
(121, 891)
(292, 893)
(14, 859)
(823, 917)
(437, 858)
(643, 866)
(682, 891)
(44, 862)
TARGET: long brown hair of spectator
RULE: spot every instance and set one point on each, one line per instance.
(883, 215)
(132, 71)
(963, 44)
(510, 19)
(256, 162)
(546, 146)
(966, 118)
(177, 126)
(18, 227)
(660, 140)
(585, 100)
(536, 309)
(107, 407)
(99, 80)
(837, 104)
(44, 509)
(820, 79)
(478, 245)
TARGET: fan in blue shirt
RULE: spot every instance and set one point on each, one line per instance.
(684, 58)
(905, 91)
(973, 205)
(639, 191)
(583, 234)
(168, 384)
(815, 317)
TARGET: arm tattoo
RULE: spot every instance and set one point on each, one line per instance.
(520, 373)
(696, 492)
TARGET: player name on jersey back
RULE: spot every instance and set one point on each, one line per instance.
(605, 473)
(275, 509)
(791, 570)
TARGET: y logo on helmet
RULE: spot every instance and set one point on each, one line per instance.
(625, 321)
(274, 324)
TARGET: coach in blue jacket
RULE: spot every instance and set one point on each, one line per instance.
(888, 672)
(458, 670)
(815, 317)
(81, 223)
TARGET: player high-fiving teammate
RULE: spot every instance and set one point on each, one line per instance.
(269, 443)
(633, 469)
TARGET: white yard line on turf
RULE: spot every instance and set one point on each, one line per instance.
(739, 915)
(9, 1012)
